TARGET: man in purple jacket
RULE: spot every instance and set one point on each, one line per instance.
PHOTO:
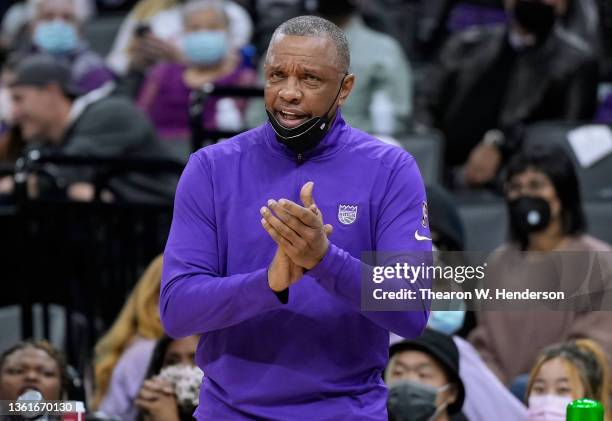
(277, 303)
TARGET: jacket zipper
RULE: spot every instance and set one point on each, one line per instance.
(300, 160)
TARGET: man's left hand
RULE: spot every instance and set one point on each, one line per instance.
(298, 230)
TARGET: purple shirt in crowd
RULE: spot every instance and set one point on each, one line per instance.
(318, 357)
(165, 98)
(127, 378)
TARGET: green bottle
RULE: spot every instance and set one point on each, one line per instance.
(585, 410)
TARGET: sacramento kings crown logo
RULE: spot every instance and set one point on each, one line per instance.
(347, 214)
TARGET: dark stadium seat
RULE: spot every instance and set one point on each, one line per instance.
(427, 150)
(100, 32)
(595, 182)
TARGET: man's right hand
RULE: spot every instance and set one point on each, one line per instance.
(282, 272)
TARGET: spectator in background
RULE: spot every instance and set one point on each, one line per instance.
(11, 140)
(423, 379)
(565, 372)
(33, 365)
(545, 217)
(171, 391)
(123, 353)
(210, 58)
(485, 394)
(502, 78)
(153, 32)
(57, 29)
(53, 118)
(381, 101)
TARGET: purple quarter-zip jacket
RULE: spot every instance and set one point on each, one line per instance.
(317, 357)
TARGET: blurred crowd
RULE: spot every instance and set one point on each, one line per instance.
(475, 75)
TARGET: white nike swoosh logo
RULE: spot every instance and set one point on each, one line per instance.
(419, 237)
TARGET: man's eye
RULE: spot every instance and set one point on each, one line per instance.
(312, 78)
(276, 75)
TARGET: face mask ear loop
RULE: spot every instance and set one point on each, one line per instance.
(336, 97)
(442, 407)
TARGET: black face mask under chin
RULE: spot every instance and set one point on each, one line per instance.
(307, 135)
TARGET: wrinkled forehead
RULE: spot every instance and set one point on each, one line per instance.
(30, 357)
(286, 51)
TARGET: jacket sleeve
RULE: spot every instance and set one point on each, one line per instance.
(400, 217)
(581, 99)
(195, 298)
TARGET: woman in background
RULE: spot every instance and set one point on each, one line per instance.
(123, 354)
(548, 250)
(566, 372)
(210, 58)
(172, 389)
(33, 365)
(152, 31)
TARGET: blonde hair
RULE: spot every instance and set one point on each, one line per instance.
(146, 9)
(138, 317)
(586, 363)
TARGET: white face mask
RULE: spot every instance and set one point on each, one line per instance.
(6, 106)
(547, 407)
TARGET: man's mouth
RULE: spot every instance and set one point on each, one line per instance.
(290, 119)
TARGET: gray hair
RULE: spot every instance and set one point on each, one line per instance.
(315, 26)
(193, 6)
(84, 9)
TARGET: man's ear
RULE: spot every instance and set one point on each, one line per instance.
(453, 392)
(347, 86)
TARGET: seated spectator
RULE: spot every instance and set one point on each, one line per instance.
(153, 33)
(53, 118)
(15, 28)
(210, 58)
(171, 392)
(33, 365)
(124, 352)
(423, 379)
(381, 101)
(502, 78)
(566, 372)
(542, 182)
(57, 29)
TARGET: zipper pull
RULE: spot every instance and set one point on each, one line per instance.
(300, 158)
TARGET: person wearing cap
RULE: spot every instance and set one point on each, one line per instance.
(423, 377)
(52, 117)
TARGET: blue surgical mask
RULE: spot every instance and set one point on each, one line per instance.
(56, 37)
(205, 47)
(447, 322)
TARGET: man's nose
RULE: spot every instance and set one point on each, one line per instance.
(291, 92)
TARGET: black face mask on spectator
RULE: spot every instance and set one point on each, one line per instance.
(535, 16)
(528, 214)
(411, 401)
